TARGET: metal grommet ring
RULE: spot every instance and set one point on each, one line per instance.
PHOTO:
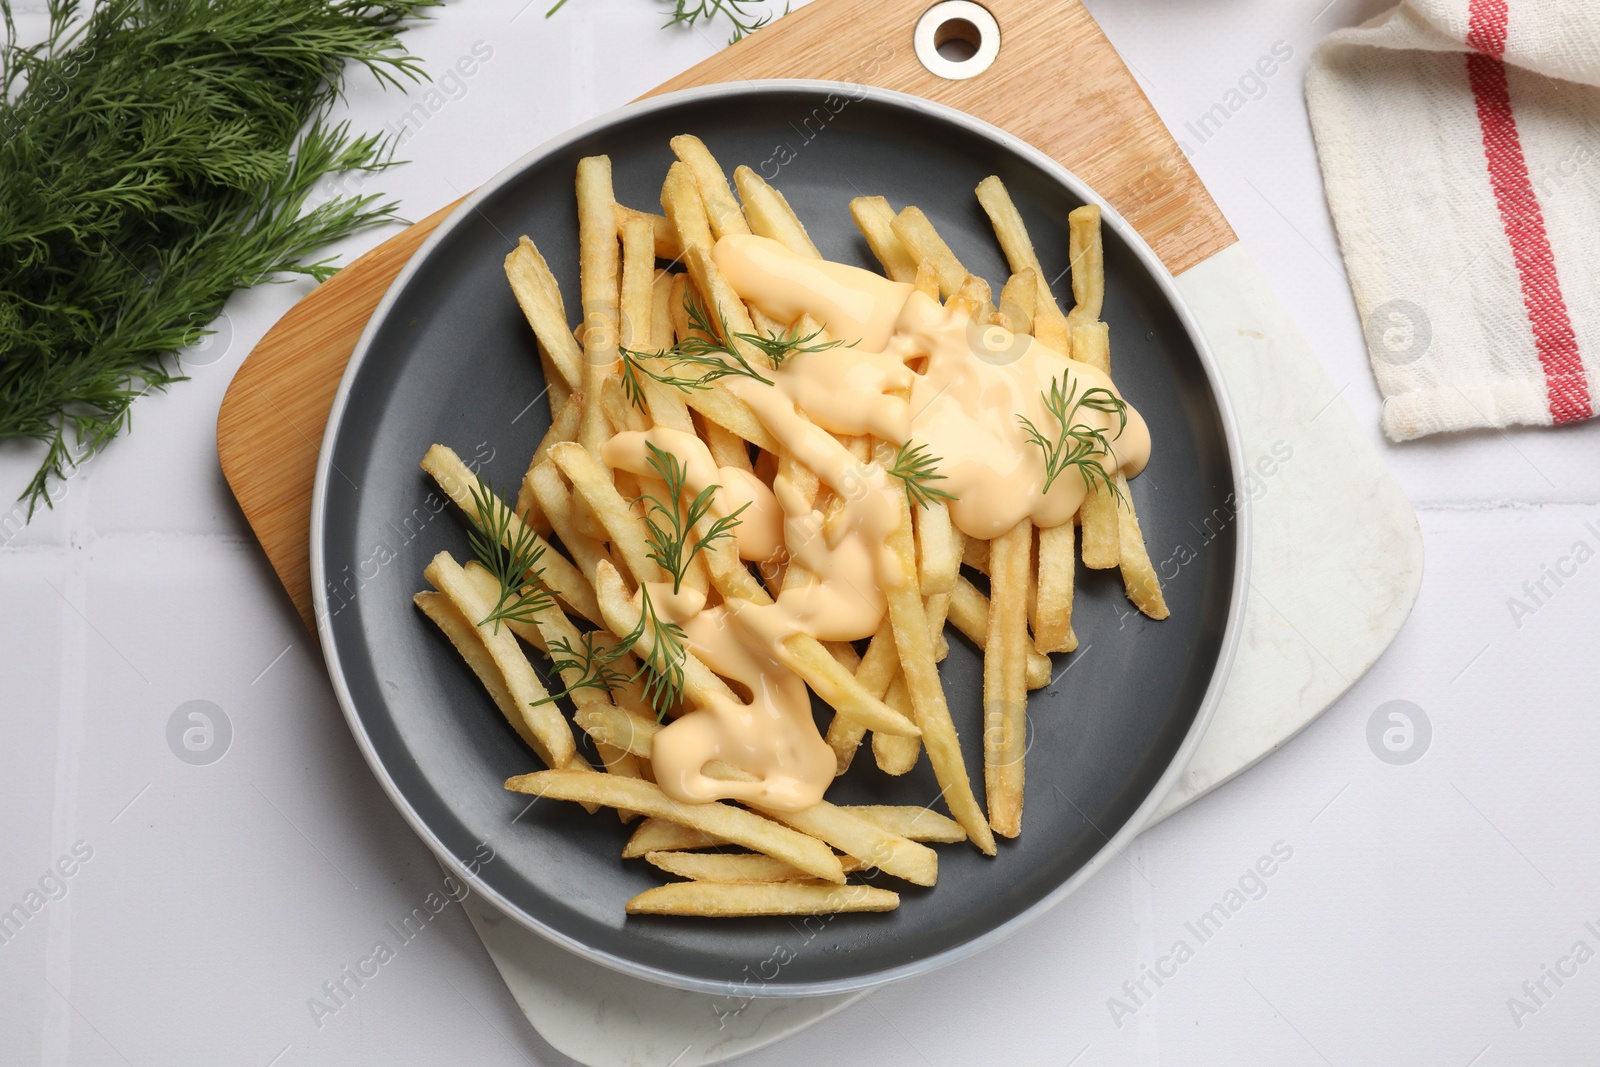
(957, 39)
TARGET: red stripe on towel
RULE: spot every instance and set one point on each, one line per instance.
(1567, 386)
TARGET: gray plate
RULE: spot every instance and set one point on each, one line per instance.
(449, 358)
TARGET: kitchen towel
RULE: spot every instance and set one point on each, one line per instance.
(1460, 146)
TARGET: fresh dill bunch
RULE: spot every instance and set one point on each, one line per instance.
(512, 557)
(917, 468)
(672, 540)
(1077, 444)
(155, 156)
(596, 666)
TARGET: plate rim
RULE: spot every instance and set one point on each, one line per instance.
(1113, 847)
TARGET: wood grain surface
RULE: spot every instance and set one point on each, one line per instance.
(1056, 83)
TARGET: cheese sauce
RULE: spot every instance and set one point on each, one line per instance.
(909, 370)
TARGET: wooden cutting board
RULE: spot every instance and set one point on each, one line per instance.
(1056, 83)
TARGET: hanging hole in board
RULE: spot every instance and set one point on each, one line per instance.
(957, 39)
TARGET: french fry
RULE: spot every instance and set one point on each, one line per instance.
(536, 292)
(1017, 298)
(619, 412)
(727, 900)
(666, 238)
(938, 606)
(597, 273)
(924, 242)
(932, 714)
(876, 672)
(561, 577)
(564, 427)
(1005, 695)
(911, 822)
(896, 755)
(875, 219)
(547, 730)
(927, 280)
(724, 820)
(637, 294)
(976, 555)
(732, 867)
(770, 215)
(938, 562)
(1052, 603)
(728, 449)
(1101, 540)
(805, 656)
(1138, 576)
(661, 835)
(555, 502)
(1015, 242)
(973, 298)
(724, 307)
(680, 199)
(626, 530)
(721, 208)
(969, 611)
(866, 841)
(1087, 250)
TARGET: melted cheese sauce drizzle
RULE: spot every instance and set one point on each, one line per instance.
(913, 371)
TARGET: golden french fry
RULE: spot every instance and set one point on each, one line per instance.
(637, 294)
(732, 867)
(724, 820)
(546, 729)
(1138, 576)
(866, 841)
(728, 449)
(969, 611)
(927, 280)
(932, 714)
(938, 562)
(597, 274)
(723, 307)
(938, 606)
(730, 900)
(564, 427)
(875, 219)
(924, 243)
(540, 299)
(1052, 603)
(1005, 695)
(1087, 250)
(680, 199)
(555, 502)
(805, 655)
(721, 208)
(561, 577)
(1015, 242)
(1101, 541)
(1017, 299)
(896, 755)
(976, 555)
(770, 214)
(973, 298)
(665, 237)
(911, 822)
(621, 414)
(875, 674)
(626, 530)
(660, 835)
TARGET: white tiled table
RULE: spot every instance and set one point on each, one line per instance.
(218, 899)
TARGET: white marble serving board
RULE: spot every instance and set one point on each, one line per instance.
(1336, 565)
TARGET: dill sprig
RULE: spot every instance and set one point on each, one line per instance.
(916, 468)
(155, 156)
(595, 665)
(512, 557)
(713, 359)
(672, 541)
(662, 665)
(744, 22)
(1077, 444)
